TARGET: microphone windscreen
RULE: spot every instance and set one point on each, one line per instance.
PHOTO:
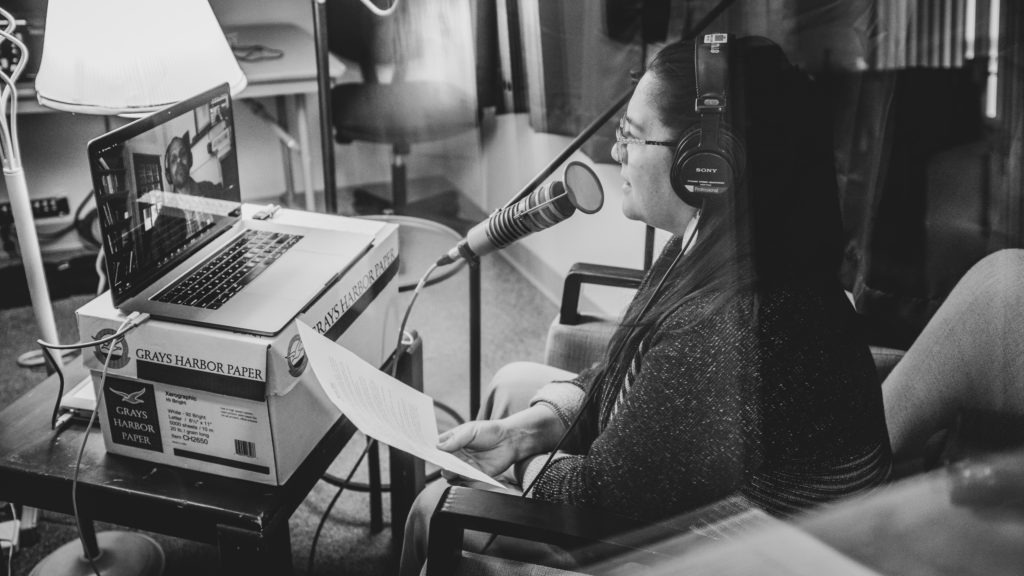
(583, 187)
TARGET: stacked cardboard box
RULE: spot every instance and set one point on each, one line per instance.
(234, 404)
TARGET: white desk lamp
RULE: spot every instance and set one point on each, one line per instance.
(124, 57)
(17, 189)
(131, 56)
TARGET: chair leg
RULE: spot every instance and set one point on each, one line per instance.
(376, 490)
(408, 473)
(474, 337)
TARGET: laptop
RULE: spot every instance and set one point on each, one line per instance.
(175, 243)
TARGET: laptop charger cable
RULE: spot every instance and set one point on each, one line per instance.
(132, 321)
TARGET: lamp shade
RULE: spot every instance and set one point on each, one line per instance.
(131, 56)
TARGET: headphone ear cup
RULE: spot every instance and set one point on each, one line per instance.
(689, 142)
(727, 162)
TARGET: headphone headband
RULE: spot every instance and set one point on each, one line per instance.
(711, 59)
(705, 164)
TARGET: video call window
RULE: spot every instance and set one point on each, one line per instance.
(166, 189)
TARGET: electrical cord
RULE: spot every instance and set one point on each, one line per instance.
(405, 318)
(133, 320)
(74, 220)
(129, 323)
(256, 52)
(34, 358)
(365, 487)
(380, 11)
(327, 511)
(78, 467)
(399, 350)
(101, 272)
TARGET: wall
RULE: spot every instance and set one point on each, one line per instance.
(489, 167)
(514, 154)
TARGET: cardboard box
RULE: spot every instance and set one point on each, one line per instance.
(234, 404)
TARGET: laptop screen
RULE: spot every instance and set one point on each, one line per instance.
(165, 186)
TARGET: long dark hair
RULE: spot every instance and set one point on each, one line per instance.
(781, 225)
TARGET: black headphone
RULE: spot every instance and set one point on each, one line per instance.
(709, 159)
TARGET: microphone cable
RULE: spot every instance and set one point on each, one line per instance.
(400, 348)
(371, 444)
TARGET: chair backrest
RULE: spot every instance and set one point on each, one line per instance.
(357, 34)
(422, 40)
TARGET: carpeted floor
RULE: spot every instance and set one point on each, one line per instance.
(515, 321)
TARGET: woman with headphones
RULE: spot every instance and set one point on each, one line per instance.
(737, 372)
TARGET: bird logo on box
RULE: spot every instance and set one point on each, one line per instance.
(118, 350)
(296, 357)
(130, 398)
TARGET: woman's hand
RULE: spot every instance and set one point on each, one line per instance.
(485, 444)
(495, 445)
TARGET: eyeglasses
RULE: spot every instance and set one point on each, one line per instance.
(621, 141)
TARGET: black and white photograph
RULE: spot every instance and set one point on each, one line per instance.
(496, 287)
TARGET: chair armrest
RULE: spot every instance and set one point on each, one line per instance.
(569, 527)
(583, 273)
(591, 535)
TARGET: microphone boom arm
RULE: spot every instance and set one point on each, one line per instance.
(573, 146)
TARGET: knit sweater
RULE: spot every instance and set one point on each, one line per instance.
(777, 404)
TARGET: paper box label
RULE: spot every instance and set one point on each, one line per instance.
(132, 415)
(232, 432)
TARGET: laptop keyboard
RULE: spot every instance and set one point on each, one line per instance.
(229, 270)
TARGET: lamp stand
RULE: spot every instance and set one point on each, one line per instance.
(31, 257)
(115, 554)
(32, 260)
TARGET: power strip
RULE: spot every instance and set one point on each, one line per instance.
(42, 208)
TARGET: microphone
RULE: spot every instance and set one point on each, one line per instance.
(546, 206)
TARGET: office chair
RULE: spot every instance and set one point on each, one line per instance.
(422, 101)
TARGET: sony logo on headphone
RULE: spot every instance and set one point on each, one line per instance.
(708, 170)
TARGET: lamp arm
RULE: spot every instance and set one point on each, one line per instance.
(17, 190)
(9, 134)
(576, 143)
